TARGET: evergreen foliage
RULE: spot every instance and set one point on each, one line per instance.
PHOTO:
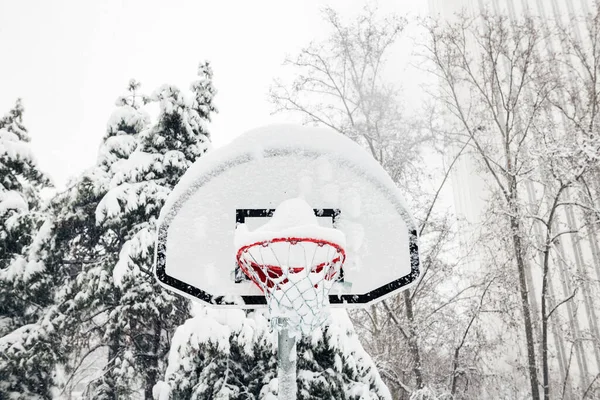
(147, 315)
(75, 278)
(25, 283)
(92, 249)
(231, 354)
(220, 354)
(20, 218)
(333, 365)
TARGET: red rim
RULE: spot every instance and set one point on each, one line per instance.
(275, 271)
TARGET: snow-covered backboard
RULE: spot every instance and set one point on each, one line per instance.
(244, 182)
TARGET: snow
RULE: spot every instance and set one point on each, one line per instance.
(423, 394)
(325, 169)
(128, 197)
(127, 116)
(291, 213)
(122, 266)
(6, 136)
(13, 221)
(224, 328)
(23, 268)
(109, 206)
(137, 247)
(277, 137)
(12, 147)
(15, 338)
(12, 200)
(292, 218)
(42, 235)
(215, 326)
(14, 270)
(115, 147)
(268, 392)
(351, 202)
(128, 169)
(168, 96)
(161, 391)
(305, 184)
(174, 158)
(344, 338)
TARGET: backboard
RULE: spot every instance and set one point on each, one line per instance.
(244, 182)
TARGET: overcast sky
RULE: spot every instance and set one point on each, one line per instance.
(70, 59)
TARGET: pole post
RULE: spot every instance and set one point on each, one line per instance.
(286, 360)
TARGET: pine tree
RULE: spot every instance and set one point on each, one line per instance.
(220, 354)
(19, 219)
(90, 250)
(147, 315)
(332, 364)
(77, 257)
(122, 138)
(25, 288)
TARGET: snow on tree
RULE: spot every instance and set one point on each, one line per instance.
(333, 364)
(231, 354)
(124, 124)
(90, 251)
(77, 257)
(21, 183)
(25, 289)
(219, 354)
(526, 113)
(423, 394)
(147, 315)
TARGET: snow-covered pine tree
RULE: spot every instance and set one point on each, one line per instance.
(21, 183)
(219, 354)
(332, 364)
(89, 251)
(147, 316)
(229, 354)
(25, 287)
(75, 253)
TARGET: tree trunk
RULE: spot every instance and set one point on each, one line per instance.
(524, 292)
(412, 340)
(151, 374)
(545, 370)
(113, 352)
(545, 315)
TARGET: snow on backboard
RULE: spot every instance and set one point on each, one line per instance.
(246, 180)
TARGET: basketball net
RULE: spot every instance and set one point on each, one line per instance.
(296, 275)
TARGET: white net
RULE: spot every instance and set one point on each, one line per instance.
(296, 275)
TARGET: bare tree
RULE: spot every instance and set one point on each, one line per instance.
(499, 82)
(492, 82)
(341, 84)
(577, 103)
(501, 98)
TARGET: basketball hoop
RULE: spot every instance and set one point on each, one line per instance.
(295, 262)
(296, 275)
(295, 254)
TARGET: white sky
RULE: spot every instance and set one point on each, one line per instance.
(70, 59)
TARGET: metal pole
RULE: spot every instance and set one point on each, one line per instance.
(286, 361)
